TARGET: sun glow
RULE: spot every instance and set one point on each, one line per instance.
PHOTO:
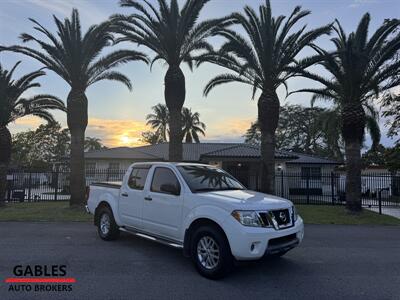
(126, 140)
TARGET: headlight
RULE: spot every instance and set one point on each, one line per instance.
(248, 218)
(295, 215)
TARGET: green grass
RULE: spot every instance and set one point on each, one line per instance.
(324, 214)
(312, 214)
(43, 211)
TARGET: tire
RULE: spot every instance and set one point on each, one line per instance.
(217, 261)
(107, 228)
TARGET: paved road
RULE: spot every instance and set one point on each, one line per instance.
(334, 262)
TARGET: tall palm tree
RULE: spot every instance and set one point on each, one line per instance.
(159, 121)
(192, 126)
(93, 144)
(14, 106)
(173, 34)
(75, 58)
(360, 70)
(266, 59)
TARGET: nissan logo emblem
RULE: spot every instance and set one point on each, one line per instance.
(282, 216)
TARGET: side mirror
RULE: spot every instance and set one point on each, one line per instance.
(170, 189)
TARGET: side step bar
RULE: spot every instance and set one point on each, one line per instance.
(152, 238)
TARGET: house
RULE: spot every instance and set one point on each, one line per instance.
(239, 159)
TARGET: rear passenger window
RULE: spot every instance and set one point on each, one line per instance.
(137, 179)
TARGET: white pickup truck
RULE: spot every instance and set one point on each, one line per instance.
(199, 208)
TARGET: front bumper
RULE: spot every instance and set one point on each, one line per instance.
(250, 243)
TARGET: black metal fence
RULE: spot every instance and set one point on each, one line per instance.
(329, 188)
(324, 188)
(32, 186)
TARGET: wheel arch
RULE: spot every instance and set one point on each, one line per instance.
(101, 205)
(199, 222)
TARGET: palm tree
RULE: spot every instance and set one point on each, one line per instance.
(361, 69)
(192, 126)
(265, 60)
(159, 121)
(93, 144)
(14, 106)
(75, 58)
(173, 34)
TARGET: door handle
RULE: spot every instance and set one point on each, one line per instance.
(148, 198)
(124, 195)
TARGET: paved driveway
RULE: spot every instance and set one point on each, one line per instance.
(334, 262)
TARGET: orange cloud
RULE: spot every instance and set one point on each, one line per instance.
(114, 133)
(228, 128)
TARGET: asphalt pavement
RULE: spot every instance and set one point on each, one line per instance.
(333, 262)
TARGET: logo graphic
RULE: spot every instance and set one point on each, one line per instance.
(282, 216)
(40, 278)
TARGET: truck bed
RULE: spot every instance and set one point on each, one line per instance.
(108, 184)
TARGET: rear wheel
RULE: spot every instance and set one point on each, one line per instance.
(107, 228)
(211, 253)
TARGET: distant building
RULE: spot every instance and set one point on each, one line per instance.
(241, 160)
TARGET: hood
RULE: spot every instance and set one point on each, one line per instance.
(249, 200)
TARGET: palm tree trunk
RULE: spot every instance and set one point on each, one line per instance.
(353, 124)
(5, 157)
(353, 176)
(268, 117)
(174, 99)
(77, 119)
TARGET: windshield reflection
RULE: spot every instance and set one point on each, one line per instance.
(205, 178)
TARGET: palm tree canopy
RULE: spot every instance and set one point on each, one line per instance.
(267, 57)
(14, 106)
(171, 32)
(75, 56)
(331, 123)
(158, 120)
(92, 144)
(192, 126)
(360, 68)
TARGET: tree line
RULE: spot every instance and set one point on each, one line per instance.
(361, 67)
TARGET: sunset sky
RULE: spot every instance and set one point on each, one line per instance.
(117, 116)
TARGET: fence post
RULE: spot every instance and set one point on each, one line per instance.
(9, 187)
(380, 201)
(56, 185)
(308, 187)
(332, 188)
(282, 193)
(29, 186)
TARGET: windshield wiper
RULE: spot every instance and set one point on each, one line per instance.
(205, 190)
(217, 189)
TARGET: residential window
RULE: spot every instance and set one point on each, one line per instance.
(90, 167)
(163, 176)
(137, 179)
(311, 173)
(113, 166)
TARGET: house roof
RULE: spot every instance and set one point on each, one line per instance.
(310, 159)
(120, 153)
(245, 151)
(195, 152)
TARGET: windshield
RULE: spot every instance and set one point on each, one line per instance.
(205, 179)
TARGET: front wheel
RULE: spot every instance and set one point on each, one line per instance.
(107, 228)
(211, 253)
